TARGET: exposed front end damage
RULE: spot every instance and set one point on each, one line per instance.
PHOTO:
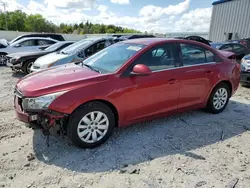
(43, 119)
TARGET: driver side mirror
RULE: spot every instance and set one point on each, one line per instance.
(17, 46)
(140, 70)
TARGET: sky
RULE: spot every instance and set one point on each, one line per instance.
(154, 16)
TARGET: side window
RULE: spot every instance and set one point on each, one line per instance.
(95, 48)
(192, 54)
(28, 43)
(238, 48)
(100, 45)
(90, 50)
(210, 56)
(158, 52)
(227, 48)
(159, 58)
(44, 42)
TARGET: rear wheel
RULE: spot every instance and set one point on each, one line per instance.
(91, 125)
(218, 99)
(27, 66)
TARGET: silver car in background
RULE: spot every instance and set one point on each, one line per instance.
(23, 45)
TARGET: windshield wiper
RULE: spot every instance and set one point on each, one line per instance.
(90, 67)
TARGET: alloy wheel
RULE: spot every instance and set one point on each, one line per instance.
(29, 67)
(220, 98)
(93, 127)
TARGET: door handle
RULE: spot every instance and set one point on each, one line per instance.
(209, 73)
(172, 81)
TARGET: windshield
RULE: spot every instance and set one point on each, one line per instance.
(112, 58)
(55, 46)
(73, 48)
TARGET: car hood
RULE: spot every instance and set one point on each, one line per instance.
(49, 58)
(60, 78)
(22, 54)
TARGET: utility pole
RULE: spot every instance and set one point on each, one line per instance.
(5, 16)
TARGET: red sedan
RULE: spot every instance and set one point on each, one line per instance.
(129, 82)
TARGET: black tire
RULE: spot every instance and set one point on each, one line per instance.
(210, 105)
(72, 128)
(26, 65)
(3, 59)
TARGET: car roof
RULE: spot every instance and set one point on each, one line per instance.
(61, 42)
(38, 38)
(95, 39)
(152, 41)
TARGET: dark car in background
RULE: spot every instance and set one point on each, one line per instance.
(244, 41)
(245, 71)
(239, 49)
(127, 37)
(24, 60)
(46, 35)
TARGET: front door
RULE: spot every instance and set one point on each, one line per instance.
(156, 93)
(196, 74)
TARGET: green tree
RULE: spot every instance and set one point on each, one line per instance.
(110, 30)
(18, 20)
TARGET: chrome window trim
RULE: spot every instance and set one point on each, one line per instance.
(212, 63)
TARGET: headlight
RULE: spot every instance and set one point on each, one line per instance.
(42, 102)
(14, 59)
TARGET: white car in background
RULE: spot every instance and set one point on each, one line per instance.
(23, 45)
(74, 53)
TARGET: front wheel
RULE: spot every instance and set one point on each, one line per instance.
(27, 66)
(3, 59)
(218, 99)
(91, 125)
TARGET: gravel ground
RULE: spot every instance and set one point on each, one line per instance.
(193, 149)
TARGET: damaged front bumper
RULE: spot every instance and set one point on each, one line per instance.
(46, 119)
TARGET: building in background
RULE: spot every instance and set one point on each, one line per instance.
(230, 20)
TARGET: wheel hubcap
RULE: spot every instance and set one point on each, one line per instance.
(93, 127)
(220, 98)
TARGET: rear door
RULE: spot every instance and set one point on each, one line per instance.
(43, 43)
(27, 45)
(196, 74)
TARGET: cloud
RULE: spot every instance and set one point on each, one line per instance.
(102, 8)
(12, 5)
(151, 10)
(121, 2)
(68, 4)
(195, 20)
(150, 18)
